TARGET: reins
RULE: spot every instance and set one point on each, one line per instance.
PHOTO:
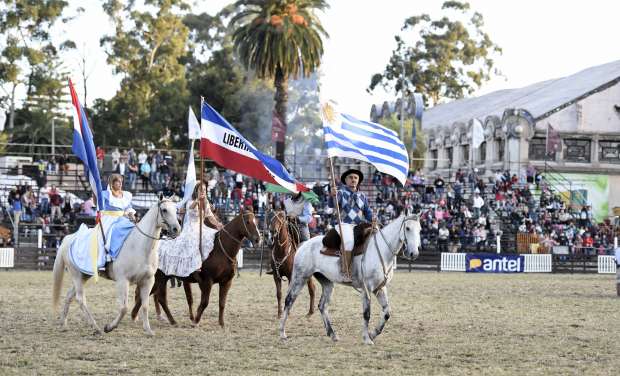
(219, 239)
(288, 238)
(376, 229)
(162, 218)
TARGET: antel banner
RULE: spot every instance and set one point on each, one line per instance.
(490, 263)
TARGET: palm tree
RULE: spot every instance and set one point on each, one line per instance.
(269, 42)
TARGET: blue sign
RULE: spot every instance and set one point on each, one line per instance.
(489, 263)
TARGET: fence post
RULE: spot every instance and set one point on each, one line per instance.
(499, 246)
(240, 258)
(615, 242)
(40, 238)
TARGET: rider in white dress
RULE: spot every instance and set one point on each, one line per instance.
(180, 256)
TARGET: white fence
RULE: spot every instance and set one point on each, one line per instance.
(7, 256)
(537, 263)
(607, 264)
(453, 262)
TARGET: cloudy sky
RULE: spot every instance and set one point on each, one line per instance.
(541, 39)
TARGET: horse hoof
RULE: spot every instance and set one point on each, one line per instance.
(223, 327)
(283, 338)
(369, 342)
(64, 330)
(97, 332)
(372, 335)
(309, 315)
(150, 333)
(161, 318)
(134, 319)
(106, 329)
(193, 325)
(176, 326)
(335, 338)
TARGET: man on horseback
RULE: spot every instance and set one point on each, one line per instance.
(299, 213)
(354, 208)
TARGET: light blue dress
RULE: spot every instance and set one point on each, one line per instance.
(116, 229)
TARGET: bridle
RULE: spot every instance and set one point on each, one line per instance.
(289, 238)
(159, 213)
(247, 234)
(375, 229)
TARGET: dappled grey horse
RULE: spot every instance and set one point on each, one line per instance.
(370, 272)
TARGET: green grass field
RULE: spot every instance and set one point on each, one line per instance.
(442, 323)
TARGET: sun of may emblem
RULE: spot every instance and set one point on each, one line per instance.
(329, 113)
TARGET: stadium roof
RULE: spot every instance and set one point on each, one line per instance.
(540, 99)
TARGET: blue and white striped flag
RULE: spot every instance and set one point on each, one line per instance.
(346, 136)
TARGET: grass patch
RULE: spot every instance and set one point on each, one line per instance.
(442, 323)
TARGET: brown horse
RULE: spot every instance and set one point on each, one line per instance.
(282, 256)
(218, 268)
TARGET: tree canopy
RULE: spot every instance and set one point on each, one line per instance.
(451, 59)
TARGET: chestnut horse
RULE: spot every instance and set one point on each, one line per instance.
(218, 268)
(282, 256)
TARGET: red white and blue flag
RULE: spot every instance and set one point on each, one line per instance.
(227, 147)
(84, 147)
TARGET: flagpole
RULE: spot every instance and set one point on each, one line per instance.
(331, 170)
(260, 273)
(200, 208)
(99, 210)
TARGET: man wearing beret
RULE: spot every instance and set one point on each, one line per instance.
(354, 208)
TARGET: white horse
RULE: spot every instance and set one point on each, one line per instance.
(376, 269)
(136, 263)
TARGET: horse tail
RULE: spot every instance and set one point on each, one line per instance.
(59, 273)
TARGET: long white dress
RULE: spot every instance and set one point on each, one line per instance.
(180, 257)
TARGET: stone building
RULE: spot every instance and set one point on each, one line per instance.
(583, 108)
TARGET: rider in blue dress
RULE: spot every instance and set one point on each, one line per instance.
(116, 222)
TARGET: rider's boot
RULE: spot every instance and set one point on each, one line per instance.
(345, 262)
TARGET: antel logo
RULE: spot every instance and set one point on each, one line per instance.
(497, 265)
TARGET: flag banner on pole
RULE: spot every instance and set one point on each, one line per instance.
(227, 147)
(278, 127)
(310, 196)
(194, 126)
(84, 148)
(190, 177)
(554, 141)
(478, 134)
(419, 105)
(346, 136)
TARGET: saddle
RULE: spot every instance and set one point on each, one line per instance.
(331, 240)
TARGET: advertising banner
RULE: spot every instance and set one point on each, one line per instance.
(581, 190)
(493, 263)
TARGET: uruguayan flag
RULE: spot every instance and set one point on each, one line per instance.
(346, 136)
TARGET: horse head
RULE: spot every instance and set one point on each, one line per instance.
(412, 228)
(167, 216)
(277, 223)
(250, 227)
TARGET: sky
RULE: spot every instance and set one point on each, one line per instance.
(541, 40)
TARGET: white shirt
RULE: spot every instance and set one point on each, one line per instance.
(523, 172)
(142, 158)
(239, 178)
(261, 200)
(44, 193)
(478, 202)
(499, 176)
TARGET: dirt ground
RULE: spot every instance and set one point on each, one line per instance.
(442, 323)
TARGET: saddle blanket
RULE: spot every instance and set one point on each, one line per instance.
(336, 252)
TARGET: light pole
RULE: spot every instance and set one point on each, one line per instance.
(402, 102)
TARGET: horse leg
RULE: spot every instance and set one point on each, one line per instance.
(328, 290)
(123, 298)
(65, 311)
(162, 298)
(278, 282)
(366, 306)
(190, 299)
(205, 288)
(311, 290)
(223, 293)
(160, 317)
(383, 300)
(145, 290)
(137, 305)
(293, 291)
(80, 296)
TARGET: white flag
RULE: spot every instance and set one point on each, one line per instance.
(190, 178)
(478, 134)
(194, 126)
(2, 120)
